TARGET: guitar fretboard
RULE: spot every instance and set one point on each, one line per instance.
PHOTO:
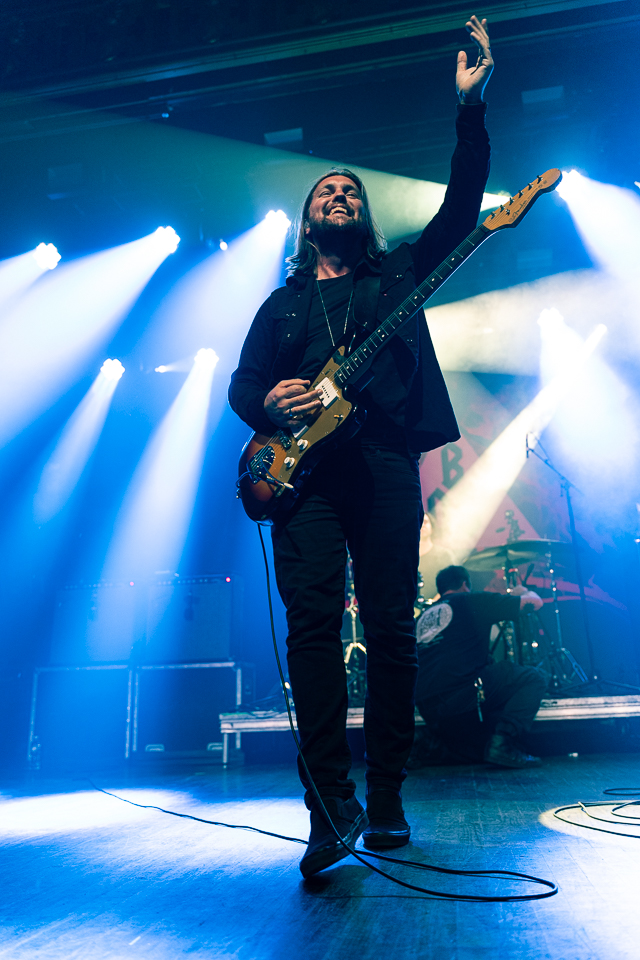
(376, 340)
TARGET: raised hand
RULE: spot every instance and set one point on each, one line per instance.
(471, 81)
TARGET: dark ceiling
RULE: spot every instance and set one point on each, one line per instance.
(374, 88)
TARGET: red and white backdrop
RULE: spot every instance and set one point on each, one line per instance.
(539, 508)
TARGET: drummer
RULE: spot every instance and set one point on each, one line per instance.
(458, 684)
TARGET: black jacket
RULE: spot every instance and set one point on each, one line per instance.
(408, 384)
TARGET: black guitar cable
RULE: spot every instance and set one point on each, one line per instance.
(584, 806)
(361, 854)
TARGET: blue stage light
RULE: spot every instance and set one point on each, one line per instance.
(46, 256)
(112, 370)
(168, 239)
(206, 359)
(278, 220)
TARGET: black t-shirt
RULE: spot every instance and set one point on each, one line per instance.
(453, 639)
(336, 293)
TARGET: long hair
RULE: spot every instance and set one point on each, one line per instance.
(374, 243)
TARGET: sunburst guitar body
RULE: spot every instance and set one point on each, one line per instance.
(273, 469)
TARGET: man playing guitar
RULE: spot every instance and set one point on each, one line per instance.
(365, 493)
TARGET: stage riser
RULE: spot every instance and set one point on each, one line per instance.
(84, 717)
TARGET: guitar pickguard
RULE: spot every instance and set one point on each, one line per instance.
(272, 468)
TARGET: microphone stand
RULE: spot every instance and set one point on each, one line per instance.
(566, 486)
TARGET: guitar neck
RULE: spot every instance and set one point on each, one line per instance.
(360, 359)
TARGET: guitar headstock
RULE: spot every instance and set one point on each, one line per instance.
(512, 212)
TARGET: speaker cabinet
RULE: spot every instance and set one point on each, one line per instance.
(94, 623)
(192, 619)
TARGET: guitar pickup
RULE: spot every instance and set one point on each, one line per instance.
(329, 394)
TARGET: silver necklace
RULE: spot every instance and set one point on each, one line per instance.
(326, 316)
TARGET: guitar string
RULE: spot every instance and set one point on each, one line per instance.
(478, 232)
(262, 453)
(406, 305)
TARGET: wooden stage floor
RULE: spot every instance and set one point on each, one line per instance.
(86, 876)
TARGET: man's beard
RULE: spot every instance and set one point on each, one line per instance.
(327, 232)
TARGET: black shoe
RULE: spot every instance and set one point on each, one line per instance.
(387, 825)
(502, 751)
(323, 848)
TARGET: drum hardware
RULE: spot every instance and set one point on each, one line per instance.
(515, 530)
(507, 637)
(354, 650)
(507, 628)
(527, 641)
(565, 487)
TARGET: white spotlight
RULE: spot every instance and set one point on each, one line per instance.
(224, 245)
(550, 321)
(571, 180)
(161, 369)
(168, 239)
(46, 256)
(278, 219)
(206, 359)
(112, 369)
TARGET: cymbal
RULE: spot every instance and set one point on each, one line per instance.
(520, 551)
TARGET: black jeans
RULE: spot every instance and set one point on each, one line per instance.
(512, 698)
(366, 496)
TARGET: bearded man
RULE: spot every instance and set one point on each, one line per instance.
(366, 494)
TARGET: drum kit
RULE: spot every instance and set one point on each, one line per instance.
(527, 641)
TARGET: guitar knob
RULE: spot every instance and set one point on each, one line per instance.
(289, 462)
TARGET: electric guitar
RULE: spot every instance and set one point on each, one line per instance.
(272, 470)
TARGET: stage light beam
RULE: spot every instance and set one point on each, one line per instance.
(77, 442)
(607, 218)
(466, 509)
(152, 526)
(598, 406)
(49, 331)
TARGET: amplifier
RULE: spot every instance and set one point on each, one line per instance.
(193, 619)
(94, 623)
